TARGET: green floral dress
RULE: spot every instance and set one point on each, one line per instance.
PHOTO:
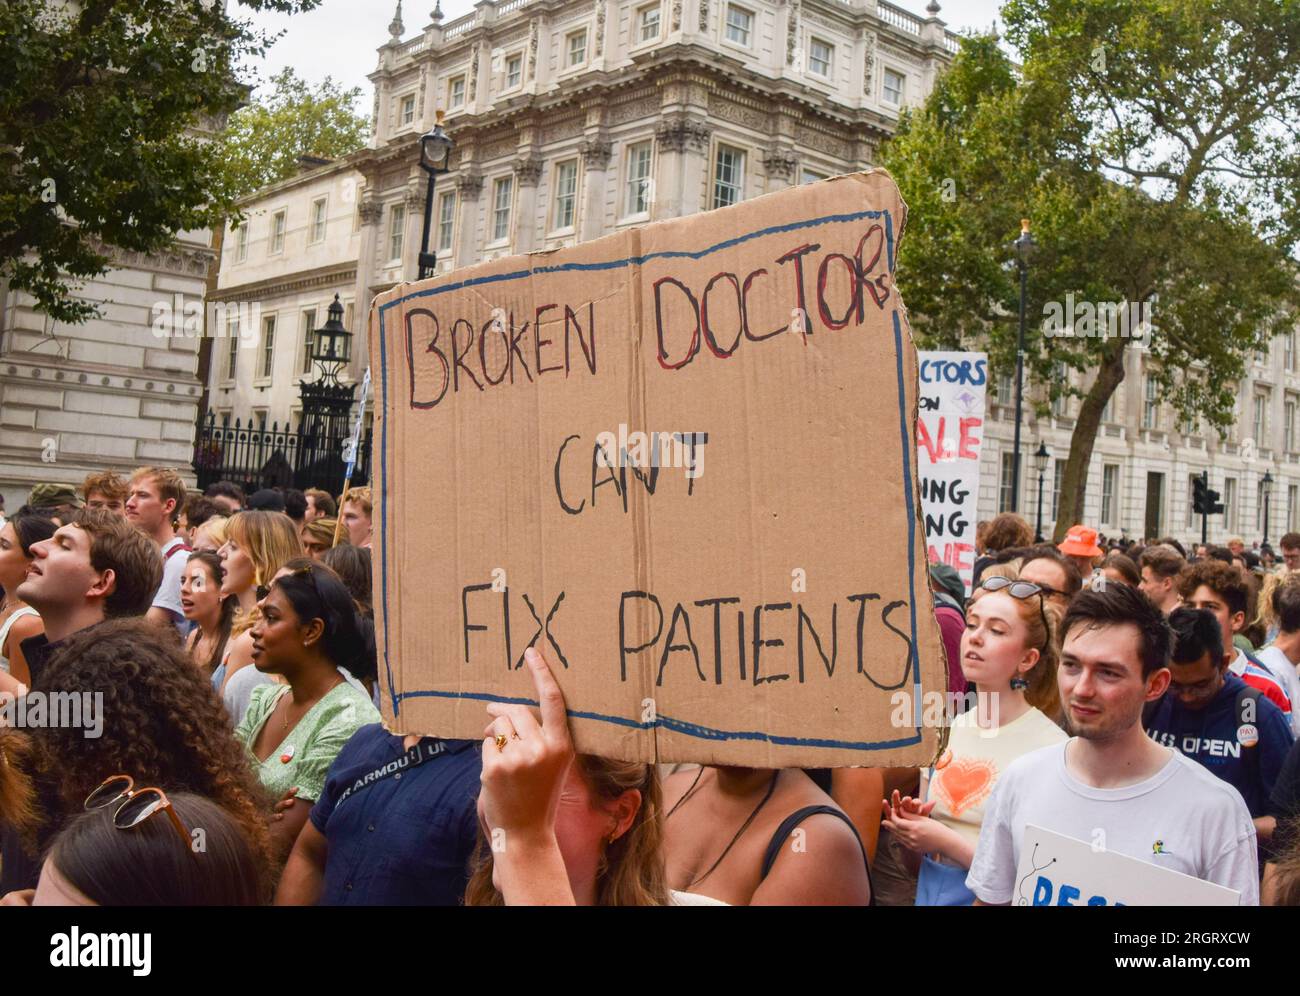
(305, 754)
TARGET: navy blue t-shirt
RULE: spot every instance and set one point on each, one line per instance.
(405, 840)
(1209, 736)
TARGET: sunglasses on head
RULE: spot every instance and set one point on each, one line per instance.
(1021, 589)
(134, 806)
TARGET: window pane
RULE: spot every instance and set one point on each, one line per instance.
(446, 221)
(232, 350)
(501, 209)
(457, 92)
(728, 177)
(308, 337)
(893, 86)
(650, 23)
(739, 23)
(277, 232)
(638, 179)
(514, 67)
(578, 48)
(819, 58)
(318, 220)
(566, 188)
(408, 110)
(268, 345)
(396, 235)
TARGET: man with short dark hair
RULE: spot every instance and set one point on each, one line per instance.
(226, 494)
(95, 568)
(1290, 545)
(1216, 719)
(1153, 804)
(1052, 571)
(295, 506)
(320, 505)
(1160, 567)
(1210, 584)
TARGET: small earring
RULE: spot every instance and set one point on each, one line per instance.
(1019, 684)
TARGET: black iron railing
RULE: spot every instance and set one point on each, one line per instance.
(256, 457)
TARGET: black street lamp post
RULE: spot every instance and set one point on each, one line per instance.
(435, 154)
(1268, 487)
(1024, 249)
(1041, 457)
(326, 404)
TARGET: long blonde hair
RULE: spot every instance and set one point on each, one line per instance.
(1042, 693)
(271, 540)
(631, 869)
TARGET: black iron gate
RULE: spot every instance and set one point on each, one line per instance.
(256, 457)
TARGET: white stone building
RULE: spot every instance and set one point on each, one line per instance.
(571, 119)
(1140, 476)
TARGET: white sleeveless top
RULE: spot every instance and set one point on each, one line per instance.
(7, 625)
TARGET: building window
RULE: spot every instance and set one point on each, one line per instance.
(1150, 404)
(1109, 486)
(232, 349)
(895, 83)
(577, 45)
(1288, 351)
(241, 243)
(408, 109)
(1292, 507)
(501, 194)
(1288, 427)
(1005, 395)
(728, 177)
(1260, 424)
(1230, 504)
(647, 19)
(1108, 410)
(637, 200)
(277, 233)
(456, 92)
(820, 56)
(260, 415)
(1190, 521)
(514, 71)
(810, 176)
(446, 221)
(1261, 489)
(566, 193)
(268, 346)
(740, 25)
(348, 315)
(308, 338)
(1004, 482)
(396, 231)
(318, 219)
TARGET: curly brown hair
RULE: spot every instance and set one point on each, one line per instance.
(162, 724)
(1007, 530)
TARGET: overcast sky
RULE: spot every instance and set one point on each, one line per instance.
(340, 38)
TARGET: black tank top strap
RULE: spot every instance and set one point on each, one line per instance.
(793, 820)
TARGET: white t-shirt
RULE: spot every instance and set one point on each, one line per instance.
(1280, 666)
(1201, 822)
(168, 595)
(976, 759)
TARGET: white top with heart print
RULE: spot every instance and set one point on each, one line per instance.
(976, 757)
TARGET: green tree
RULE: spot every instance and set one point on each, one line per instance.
(1153, 144)
(264, 140)
(107, 111)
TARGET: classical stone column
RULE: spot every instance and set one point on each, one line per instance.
(595, 180)
(527, 173)
(683, 145)
(780, 165)
(371, 213)
(469, 185)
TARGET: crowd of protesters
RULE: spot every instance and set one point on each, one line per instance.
(223, 646)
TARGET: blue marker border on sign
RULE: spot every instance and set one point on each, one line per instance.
(668, 722)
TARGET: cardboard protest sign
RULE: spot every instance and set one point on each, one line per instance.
(949, 436)
(1056, 870)
(680, 460)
